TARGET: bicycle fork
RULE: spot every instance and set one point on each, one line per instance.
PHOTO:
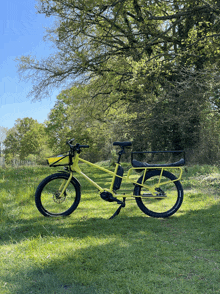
(64, 186)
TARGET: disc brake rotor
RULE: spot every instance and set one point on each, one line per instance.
(59, 199)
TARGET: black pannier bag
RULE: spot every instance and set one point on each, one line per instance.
(117, 182)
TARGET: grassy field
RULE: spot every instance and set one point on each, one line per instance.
(88, 253)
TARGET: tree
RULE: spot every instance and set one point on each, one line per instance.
(137, 52)
(26, 137)
(11, 144)
(182, 116)
(130, 46)
(74, 115)
(3, 132)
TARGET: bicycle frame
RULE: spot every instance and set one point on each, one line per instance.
(75, 167)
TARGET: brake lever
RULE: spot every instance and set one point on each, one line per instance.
(77, 148)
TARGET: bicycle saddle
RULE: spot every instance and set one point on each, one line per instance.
(136, 163)
(122, 144)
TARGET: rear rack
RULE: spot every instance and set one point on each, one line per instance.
(144, 164)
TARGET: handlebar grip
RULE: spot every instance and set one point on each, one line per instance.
(77, 146)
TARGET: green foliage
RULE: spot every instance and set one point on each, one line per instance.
(181, 116)
(177, 117)
(3, 132)
(139, 70)
(207, 151)
(87, 253)
(132, 47)
(25, 138)
(95, 123)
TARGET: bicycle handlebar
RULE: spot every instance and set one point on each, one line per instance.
(77, 146)
(83, 146)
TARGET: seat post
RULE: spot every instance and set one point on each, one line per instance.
(120, 154)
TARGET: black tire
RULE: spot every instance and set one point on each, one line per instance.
(47, 197)
(159, 207)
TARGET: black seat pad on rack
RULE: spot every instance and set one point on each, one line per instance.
(122, 144)
(140, 164)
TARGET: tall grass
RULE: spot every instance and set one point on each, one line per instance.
(88, 253)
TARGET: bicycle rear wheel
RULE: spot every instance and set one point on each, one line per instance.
(49, 200)
(169, 194)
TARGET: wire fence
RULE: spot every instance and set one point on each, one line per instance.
(16, 162)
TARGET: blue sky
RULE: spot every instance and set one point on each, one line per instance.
(21, 33)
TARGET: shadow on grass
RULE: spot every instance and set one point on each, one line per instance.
(130, 254)
(198, 220)
(106, 255)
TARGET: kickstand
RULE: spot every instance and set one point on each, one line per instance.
(119, 209)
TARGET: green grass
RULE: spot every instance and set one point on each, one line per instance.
(88, 253)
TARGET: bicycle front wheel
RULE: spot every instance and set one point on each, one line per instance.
(169, 194)
(50, 200)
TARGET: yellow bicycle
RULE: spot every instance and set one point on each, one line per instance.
(158, 192)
